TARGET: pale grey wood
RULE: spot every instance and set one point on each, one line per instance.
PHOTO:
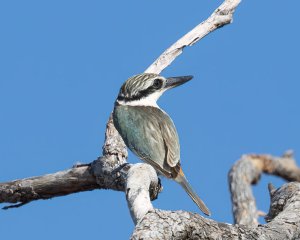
(108, 172)
(140, 179)
(111, 171)
(48, 186)
(247, 171)
(283, 217)
(141, 185)
(222, 16)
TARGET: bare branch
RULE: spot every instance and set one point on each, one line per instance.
(284, 222)
(15, 205)
(222, 16)
(141, 184)
(247, 171)
(48, 186)
(106, 172)
(141, 178)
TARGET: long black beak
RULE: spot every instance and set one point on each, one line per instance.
(177, 81)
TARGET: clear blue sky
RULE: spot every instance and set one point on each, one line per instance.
(61, 66)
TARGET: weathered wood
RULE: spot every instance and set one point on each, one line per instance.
(140, 182)
(248, 171)
(142, 179)
(107, 172)
(283, 217)
(222, 16)
(48, 186)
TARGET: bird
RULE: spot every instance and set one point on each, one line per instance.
(148, 131)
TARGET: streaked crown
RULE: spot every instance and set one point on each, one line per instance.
(141, 86)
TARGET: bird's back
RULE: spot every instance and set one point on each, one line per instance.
(150, 133)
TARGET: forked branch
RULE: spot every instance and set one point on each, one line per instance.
(108, 171)
(140, 182)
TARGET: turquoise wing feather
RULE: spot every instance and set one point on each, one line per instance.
(151, 135)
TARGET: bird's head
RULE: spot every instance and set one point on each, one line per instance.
(146, 88)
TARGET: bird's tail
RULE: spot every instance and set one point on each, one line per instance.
(188, 188)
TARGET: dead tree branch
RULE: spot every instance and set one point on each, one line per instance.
(222, 16)
(248, 171)
(48, 186)
(108, 171)
(141, 185)
(283, 217)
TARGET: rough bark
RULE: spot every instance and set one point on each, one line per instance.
(44, 187)
(248, 171)
(283, 217)
(110, 170)
(141, 184)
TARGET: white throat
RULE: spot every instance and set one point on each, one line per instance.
(150, 100)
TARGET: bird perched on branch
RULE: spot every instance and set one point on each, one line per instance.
(148, 131)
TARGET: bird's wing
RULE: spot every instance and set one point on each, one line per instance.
(171, 142)
(151, 135)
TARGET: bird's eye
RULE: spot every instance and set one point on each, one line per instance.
(157, 83)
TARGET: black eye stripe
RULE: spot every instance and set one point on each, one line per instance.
(139, 95)
(157, 83)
